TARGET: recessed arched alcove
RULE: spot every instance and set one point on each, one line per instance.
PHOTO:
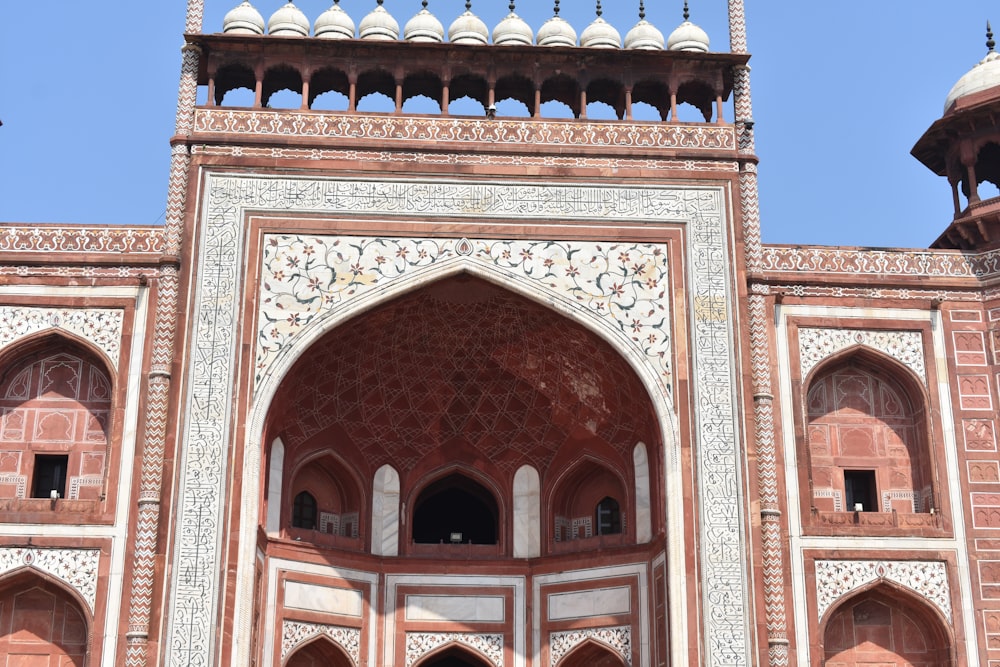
(590, 653)
(462, 377)
(454, 656)
(885, 625)
(39, 616)
(320, 652)
(455, 509)
(866, 436)
(589, 500)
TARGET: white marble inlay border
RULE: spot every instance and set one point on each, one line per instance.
(618, 639)
(836, 579)
(294, 634)
(76, 567)
(419, 644)
(100, 326)
(216, 309)
(906, 347)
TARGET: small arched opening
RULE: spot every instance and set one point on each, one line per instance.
(235, 84)
(422, 93)
(282, 88)
(885, 625)
(324, 501)
(560, 97)
(515, 96)
(469, 95)
(590, 653)
(589, 501)
(605, 100)
(42, 623)
(329, 90)
(320, 652)
(988, 170)
(867, 437)
(376, 92)
(56, 400)
(652, 94)
(454, 656)
(456, 510)
(695, 102)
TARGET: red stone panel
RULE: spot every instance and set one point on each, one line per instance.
(989, 579)
(877, 630)
(985, 510)
(980, 435)
(41, 626)
(970, 348)
(974, 392)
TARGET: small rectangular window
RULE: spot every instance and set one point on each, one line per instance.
(49, 475)
(859, 487)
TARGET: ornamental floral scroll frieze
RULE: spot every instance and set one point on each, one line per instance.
(102, 327)
(78, 568)
(464, 131)
(836, 579)
(419, 644)
(295, 634)
(83, 239)
(856, 262)
(618, 639)
(305, 276)
(906, 347)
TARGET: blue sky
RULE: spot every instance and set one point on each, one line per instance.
(841, 93)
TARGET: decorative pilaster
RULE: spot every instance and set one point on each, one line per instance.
(158, 379)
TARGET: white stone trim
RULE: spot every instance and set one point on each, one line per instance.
(102, 327)
(618, 639)
(837, 579)
(419, 644)
(906, 347)
(205, 435)
(294, 634)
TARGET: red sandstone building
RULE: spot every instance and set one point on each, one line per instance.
(399, 389)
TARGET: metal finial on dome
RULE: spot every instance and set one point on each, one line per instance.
(599, 10)
(424, 4)
(687, 14)
(642, 11)
(380, 2)
(511, 6)
(468, 5)
(556, 8)
(989, 37)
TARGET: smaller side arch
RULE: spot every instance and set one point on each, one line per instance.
(884, 623)
(592, 653)
(27, 595)
(454, 654)
(319, 651)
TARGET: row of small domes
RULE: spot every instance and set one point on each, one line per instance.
(468, 28)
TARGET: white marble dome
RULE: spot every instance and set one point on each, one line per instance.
(644, 36)
(688, 37)
(288, 21)
(423, 27)
(334, 23)
(243, 19)
(985, 75)
(468, 29)
(379, 25)
(600, 34)
(513, 31)
(556, 31)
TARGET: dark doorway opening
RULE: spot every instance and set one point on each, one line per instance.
(455, 510)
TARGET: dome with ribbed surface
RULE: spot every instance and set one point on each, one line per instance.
(334, 23)
(688, 36)
(985, 75)
(600, 34)
(556, 31)
(288, 21)
(513, 31)
(423, 27)
(243, 19)
(468, 28)
(644, 35)
(379, 25)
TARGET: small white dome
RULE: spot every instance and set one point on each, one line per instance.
(288, 21)
(556, 31)
(334, 23)
(985, 75)
(513, 31)
(243, 19)
(688, 37)
(468, 28)
(379, 25)
(423, 27)
(600, 34)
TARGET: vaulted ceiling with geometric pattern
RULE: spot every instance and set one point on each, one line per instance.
(466, 371)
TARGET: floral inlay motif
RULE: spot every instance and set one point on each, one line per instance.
(294, 634)
(906, 347)
(855, 262)
(306, 276)
(618, 639)
(83, 239)
(419, 644)
(102, 327)
(77, 567)
(837, 578)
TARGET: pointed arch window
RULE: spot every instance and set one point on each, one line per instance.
(304, 511)
(608, 517)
